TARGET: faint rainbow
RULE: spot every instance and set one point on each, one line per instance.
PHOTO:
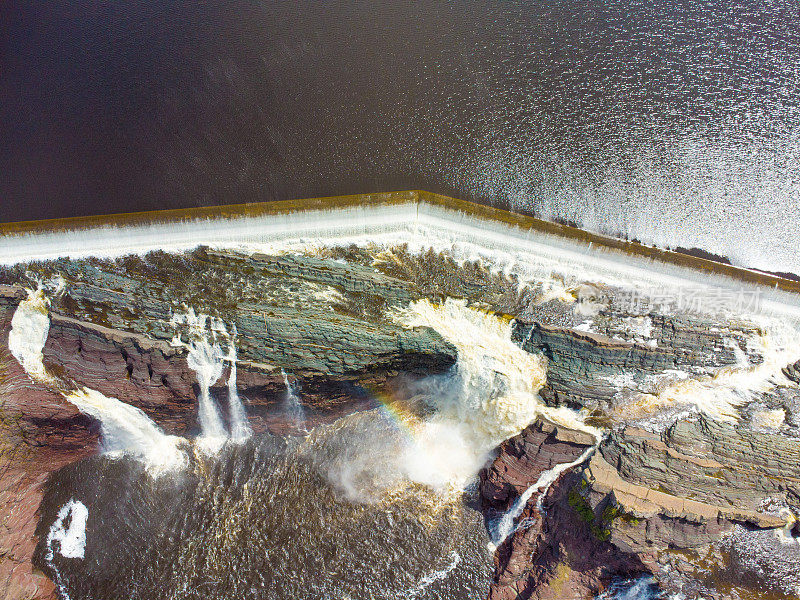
(403, 419)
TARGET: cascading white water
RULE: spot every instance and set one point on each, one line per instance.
(125, 429)
(643, 588)
(491, 395)
(438, 575)
(786, 535)
(506, 525)
(292, 405)
(205, 358)
(71, 539)
(528, 255)
(722, 394)
(30, 326)
(240, 425)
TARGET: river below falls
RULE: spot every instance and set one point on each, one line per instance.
(272, 518)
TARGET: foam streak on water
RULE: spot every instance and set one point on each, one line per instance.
(71, 540)
(455, 559)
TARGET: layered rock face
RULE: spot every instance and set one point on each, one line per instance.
(701, 505)
(39, 433)
(678, 505)
(583, 365)
(320, 324)
(555, 552)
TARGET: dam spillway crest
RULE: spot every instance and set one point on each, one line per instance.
(390, 396)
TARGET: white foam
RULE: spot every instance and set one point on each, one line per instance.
(124, 428)
(205, 358)
(72, 539)
(491, 395)
(30, 326)
(435, 576)
(127, 430)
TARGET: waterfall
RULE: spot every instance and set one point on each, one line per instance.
(489, 396)
(643, 588)
(721, 394)
(240, 425)
(293, 407)
(128, 430)
(205, 358)
(506, 526)
(30, 326)
(125, 429)
(529, 255)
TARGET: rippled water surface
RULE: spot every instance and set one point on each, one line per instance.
(269, 519)
(671, 122)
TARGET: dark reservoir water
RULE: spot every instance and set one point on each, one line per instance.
(672, 122)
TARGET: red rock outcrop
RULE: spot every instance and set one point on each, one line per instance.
(554, 553)
(39, 432)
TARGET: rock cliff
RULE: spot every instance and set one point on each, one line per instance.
(323, 323)
(677, 505)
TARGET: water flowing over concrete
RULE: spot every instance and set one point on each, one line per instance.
(514, 244)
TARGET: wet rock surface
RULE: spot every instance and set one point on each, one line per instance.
(698, 503)
(39, 433)
(585, 364)
(323, 322)
(701, 506)
(555, 552)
